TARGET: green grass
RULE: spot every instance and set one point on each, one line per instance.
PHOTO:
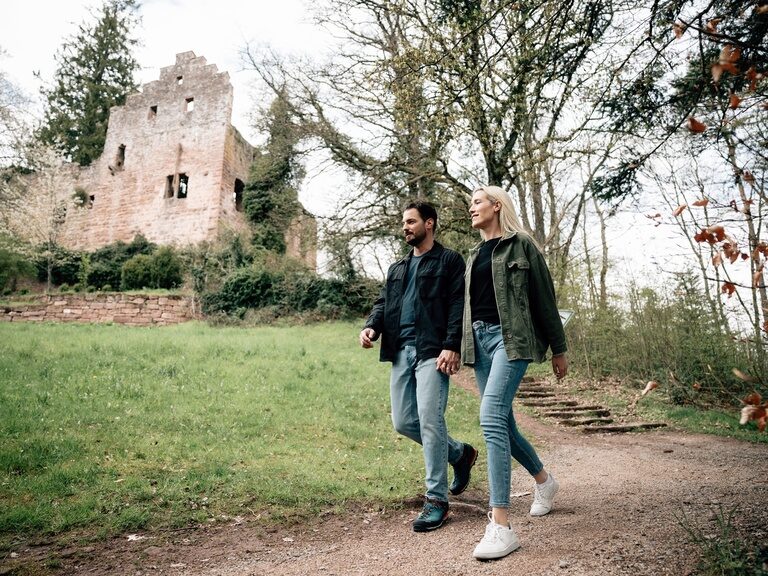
(106, 429)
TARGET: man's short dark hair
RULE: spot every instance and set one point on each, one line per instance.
(425, 209)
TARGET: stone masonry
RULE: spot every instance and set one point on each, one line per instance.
(133, 310)
(173, 169)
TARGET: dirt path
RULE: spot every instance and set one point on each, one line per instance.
(615, 515)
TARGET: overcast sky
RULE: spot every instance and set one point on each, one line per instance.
(31, 31)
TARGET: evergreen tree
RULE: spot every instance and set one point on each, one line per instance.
(95, 72)
(270, 199)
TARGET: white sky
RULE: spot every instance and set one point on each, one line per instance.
(31, 32)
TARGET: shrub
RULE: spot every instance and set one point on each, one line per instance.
(245, 288)
(136, 273)
(166, 269)
(106, 288)
(289, 289)
(64, 287)
(106, 263)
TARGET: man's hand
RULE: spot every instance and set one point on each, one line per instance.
(367, 337)
(448, 362)
(560, 365)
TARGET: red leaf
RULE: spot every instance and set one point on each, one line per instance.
(679, 210)
(695, 126)
(696, 385)
(753, 413)
(761, 9)
(702, 202)
(730, 54)
(713, 24)
(717, 231)
(734, 101)
(754, 398)
(728, 288)
(650, 386)
(749, 178)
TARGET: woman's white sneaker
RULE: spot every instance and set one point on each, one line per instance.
(498, 541)
(544, 496)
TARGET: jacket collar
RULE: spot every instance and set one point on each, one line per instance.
(504, 238)
(434, 252)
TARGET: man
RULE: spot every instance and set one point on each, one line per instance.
(419, 318)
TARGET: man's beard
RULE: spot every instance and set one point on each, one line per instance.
(416, 239)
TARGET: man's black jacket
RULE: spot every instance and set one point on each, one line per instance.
(439, 305)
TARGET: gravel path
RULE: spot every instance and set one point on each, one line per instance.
(616, 514)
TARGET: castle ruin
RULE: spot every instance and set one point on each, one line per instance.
(173, 169)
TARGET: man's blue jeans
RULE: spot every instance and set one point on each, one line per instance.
(498, 379)
(419, 395)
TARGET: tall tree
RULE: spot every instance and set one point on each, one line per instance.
(434, 97)
(95, 71)
(271, 199)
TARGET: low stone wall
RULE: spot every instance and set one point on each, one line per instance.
(131, 309)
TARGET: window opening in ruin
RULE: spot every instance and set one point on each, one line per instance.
(179, 80)
(91, 200)
(239, 187)
(169, 186)
(152, 112)
(120, 158)
(176, 185)
(189, 104)
(183, 186)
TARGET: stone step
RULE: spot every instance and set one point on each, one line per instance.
(544, 402)
(528, 394)
(573, 406)
(629, 427)
(586, 421)
(536, 389)
(565, 414)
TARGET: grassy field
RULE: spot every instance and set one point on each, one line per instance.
(105, 429)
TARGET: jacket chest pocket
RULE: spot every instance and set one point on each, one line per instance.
(517, 278)
(432, 284)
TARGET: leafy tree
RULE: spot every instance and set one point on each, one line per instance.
(433, 97)
(95, 72)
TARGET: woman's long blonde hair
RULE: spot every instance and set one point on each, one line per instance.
(508, 219)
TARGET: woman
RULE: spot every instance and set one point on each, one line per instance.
(510, 319)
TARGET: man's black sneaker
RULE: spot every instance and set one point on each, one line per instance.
(432, 516)
(461, 470)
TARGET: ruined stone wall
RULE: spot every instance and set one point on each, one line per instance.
(173, 169)
(177, 127)
(144, 310)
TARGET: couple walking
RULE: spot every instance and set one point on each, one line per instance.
(496, 314)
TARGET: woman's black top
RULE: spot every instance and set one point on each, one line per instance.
(482, 299)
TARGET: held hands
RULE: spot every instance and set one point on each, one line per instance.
(367, 337)
(560, 365)
(448, 362)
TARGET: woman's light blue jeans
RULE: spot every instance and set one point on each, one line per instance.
(498, 379)
(419, 395)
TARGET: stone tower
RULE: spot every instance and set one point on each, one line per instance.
(173, 168)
